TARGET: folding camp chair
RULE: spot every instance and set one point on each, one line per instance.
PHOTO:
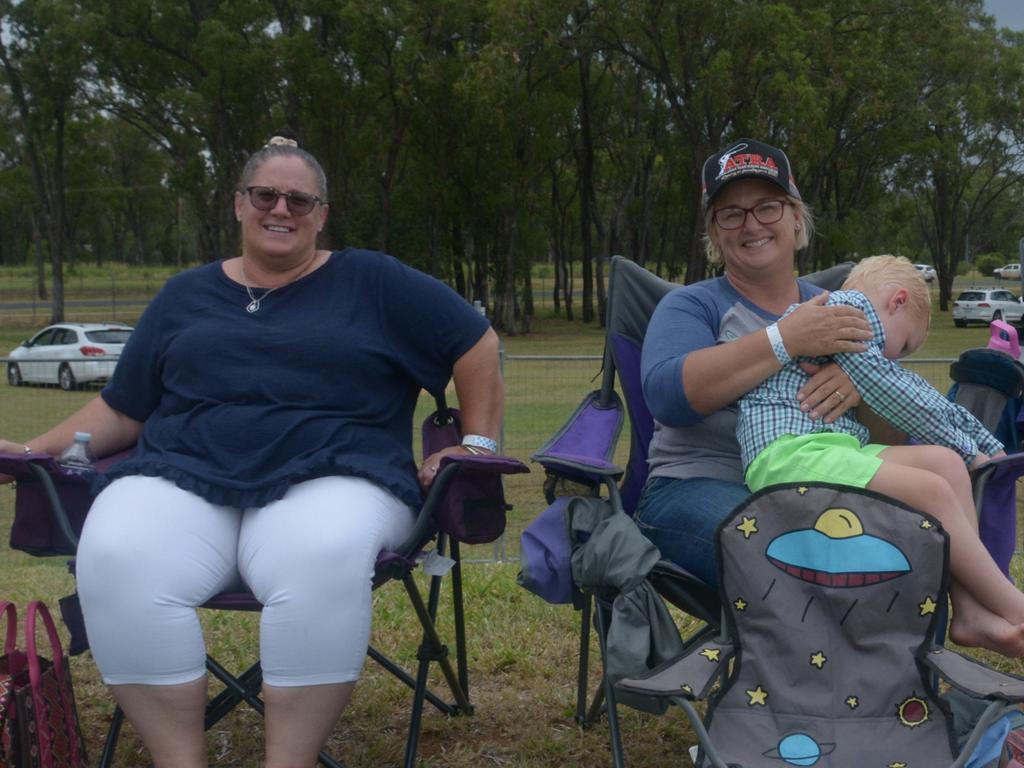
(465, 504)
(831, 601)
(578, 461)
(989, 382)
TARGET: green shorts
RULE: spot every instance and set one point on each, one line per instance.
(830, 457)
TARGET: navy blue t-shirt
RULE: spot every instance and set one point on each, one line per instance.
(322, 380)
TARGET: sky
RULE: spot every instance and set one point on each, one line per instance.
(1008, 13)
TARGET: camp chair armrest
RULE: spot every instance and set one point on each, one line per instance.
(687, 592)
(690, 675)
(1010, 466)
(43, 469)
(480, 464)
(585, 444)
(466, 500)
(572, 465)
(974, 678)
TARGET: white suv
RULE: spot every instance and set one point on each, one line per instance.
(983, 305)
(68, 354)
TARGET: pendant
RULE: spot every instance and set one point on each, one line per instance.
(253, 306)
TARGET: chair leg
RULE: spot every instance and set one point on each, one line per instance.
(110, 743)
(458, 612)
(582, 717)
(431, 649)
(245, 688)
(220, 705)
(239, 687)
(611, 702)
(442, 706)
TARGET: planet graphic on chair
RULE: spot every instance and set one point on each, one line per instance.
(799, 749)
(837, 552)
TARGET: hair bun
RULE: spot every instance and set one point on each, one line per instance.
(282, 141)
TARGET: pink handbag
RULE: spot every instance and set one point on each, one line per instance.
(38, 719)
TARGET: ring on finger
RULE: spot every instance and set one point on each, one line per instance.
(840, 395)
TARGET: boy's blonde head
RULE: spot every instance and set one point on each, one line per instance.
(877, 273)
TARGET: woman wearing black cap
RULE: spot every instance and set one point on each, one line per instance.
(710, 343)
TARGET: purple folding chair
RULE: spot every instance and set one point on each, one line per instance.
(465, 504)
(578, 458)
(989, 382)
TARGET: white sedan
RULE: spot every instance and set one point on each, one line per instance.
(68, 354)
(926, 271)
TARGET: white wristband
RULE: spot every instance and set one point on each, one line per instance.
(775, 338)
(479, 441)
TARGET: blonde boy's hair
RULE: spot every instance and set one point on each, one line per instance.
(886, 271)
(803, 236)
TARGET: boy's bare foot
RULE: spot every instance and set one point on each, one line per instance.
(977, 627)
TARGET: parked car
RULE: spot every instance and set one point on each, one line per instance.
(68, 354)
(927, 271)
(1009, 272)
(983, 305)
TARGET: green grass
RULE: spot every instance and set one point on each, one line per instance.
(522, 661)
(523, 652)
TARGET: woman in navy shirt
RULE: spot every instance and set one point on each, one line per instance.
(270, 397)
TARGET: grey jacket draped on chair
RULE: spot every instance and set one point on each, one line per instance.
(612, 558)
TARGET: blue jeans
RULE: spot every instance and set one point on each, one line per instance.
(682, 516)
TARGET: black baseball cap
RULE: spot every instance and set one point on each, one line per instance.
(746, 159)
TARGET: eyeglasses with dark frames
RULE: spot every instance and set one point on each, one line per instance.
(265, 198)
(734, 217)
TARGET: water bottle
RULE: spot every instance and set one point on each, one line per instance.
(78, 457)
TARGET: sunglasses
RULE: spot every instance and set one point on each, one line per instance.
(265, 199)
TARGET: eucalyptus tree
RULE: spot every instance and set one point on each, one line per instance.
(195, 79)
(721, 68)
(17, 210)
(851, 126)
(971, 150)
(120, 205)
(43, 65)
(524, 88)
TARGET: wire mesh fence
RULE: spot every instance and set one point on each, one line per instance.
(541, 392)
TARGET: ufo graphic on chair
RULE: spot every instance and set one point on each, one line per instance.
(837, 552)
(799, 749)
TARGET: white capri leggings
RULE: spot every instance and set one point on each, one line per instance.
(151, 552)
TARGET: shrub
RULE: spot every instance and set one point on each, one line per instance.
(986, 262)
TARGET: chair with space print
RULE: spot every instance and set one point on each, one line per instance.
(827, 657)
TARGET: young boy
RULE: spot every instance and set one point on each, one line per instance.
(781, 443)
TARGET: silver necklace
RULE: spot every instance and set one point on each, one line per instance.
(254, 303)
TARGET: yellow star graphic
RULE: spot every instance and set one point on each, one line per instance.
(818, 659)
(757, 696)
(740, 604)
(897, 765)
(851, 702)
(802, 490)
(927, 606)
(926, 524)
(711, 654)
(748, 527)
(686, 689)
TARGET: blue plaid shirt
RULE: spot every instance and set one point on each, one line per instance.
(902, 398)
